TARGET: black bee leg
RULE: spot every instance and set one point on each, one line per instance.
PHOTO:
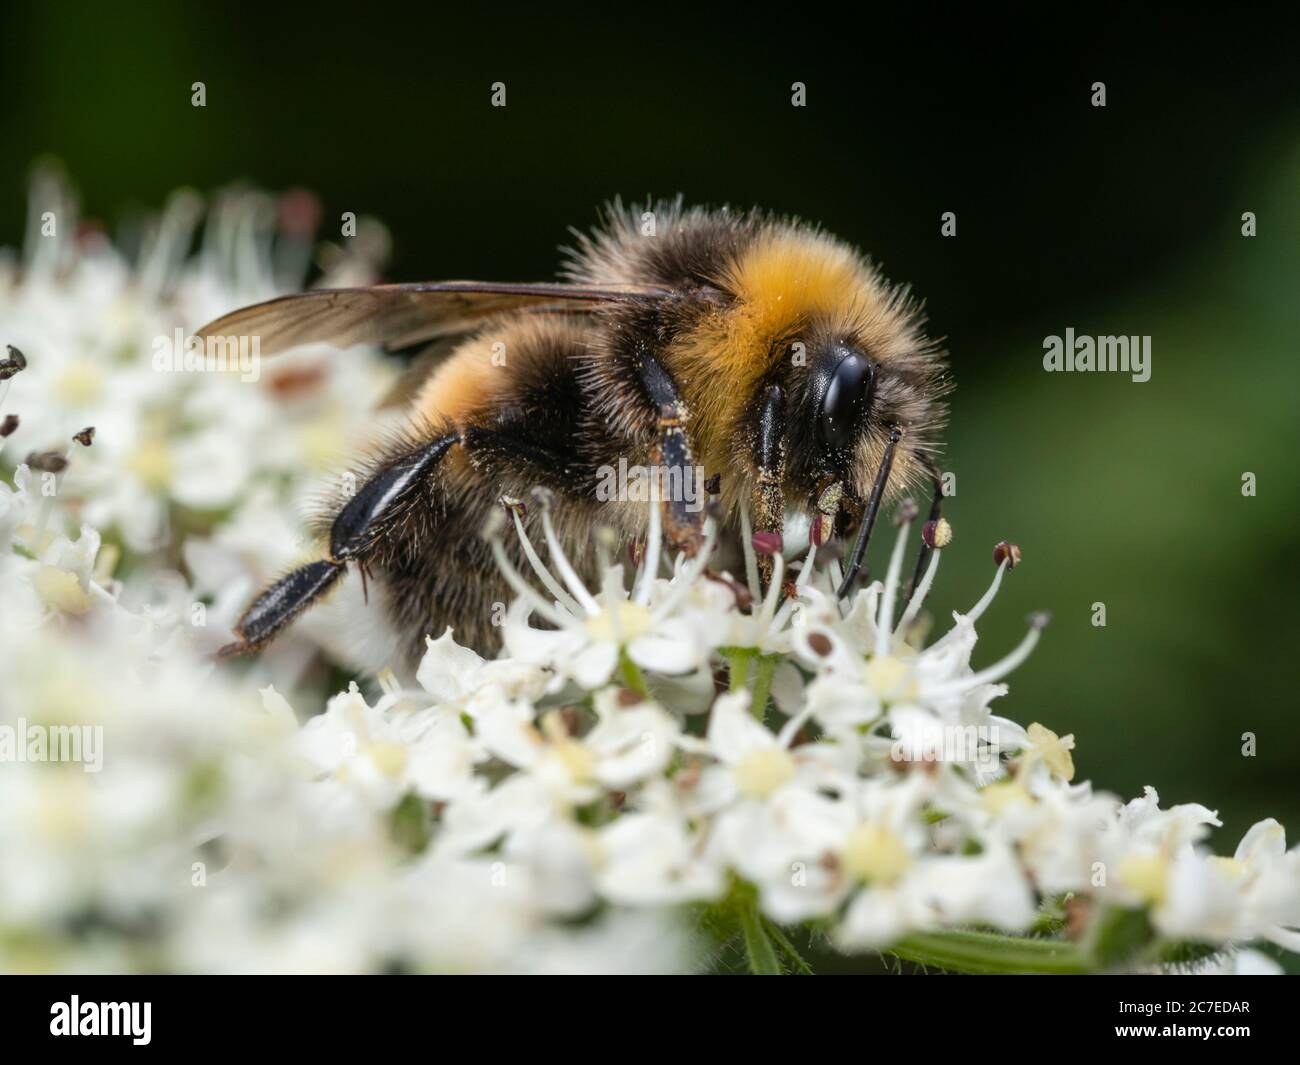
(869, 518)
(768, 498)
(923, 556)
(681, 482)
(280, 604)
(357, 530)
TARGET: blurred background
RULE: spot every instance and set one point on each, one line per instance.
(1124, 219)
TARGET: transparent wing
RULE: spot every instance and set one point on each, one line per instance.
(398, 315)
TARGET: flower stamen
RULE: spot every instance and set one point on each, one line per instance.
(561, 560)
(999, 669)
(539, 567)
(884, 623)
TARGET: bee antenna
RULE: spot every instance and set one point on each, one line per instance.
(869, 519)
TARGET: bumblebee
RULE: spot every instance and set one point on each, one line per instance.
(756, 354)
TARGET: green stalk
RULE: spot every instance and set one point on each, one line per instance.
(762, 684)
(738, 659)
(987, 952)
(632, 676)
(758, 947)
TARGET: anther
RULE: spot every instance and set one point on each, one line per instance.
(936, 534)
(47, 461)
(1006, 551)
(16, 362)
(820, 644)
(907, 511)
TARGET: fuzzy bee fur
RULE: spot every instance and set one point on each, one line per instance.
(760, 349)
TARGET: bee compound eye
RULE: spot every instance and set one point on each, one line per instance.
(847, 394)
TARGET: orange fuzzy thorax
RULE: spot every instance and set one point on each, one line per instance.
(784, 283)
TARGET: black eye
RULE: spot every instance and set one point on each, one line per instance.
(848, 392)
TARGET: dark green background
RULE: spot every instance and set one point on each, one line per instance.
(1117, 220)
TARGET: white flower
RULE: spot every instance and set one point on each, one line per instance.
(1059, 830)
(94, 328)
(753, 764)
(1255, 894)
(455, 677)
(930, 700)
(626, 746)
(592, 632)
(651, 858)
(383, 751)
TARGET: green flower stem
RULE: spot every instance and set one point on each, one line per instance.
(758, 947)
(762, 684)
(738, 659)
(633, 677)
(987, 952)
(746, 663)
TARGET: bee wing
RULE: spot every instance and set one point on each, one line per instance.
(397, 315)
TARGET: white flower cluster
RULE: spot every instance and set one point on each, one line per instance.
(652, 759)
(156, 815)
(198, 469)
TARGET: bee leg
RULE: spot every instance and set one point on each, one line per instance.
(356, 532)
(280, 604)
(768, 497)
(681, 481)
(869, 516)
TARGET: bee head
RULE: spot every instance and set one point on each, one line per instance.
(843, 404)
